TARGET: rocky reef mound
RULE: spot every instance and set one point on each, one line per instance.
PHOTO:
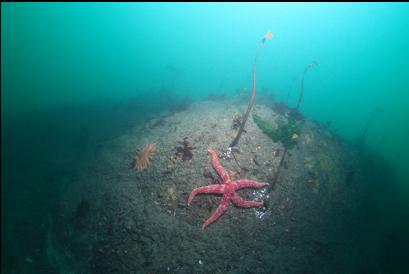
(114, 219)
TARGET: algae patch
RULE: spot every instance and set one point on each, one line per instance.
(170, 196)
(286, 133)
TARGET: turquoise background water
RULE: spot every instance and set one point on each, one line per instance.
(58, 55)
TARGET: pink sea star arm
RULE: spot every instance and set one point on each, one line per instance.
(219, 212)
(216, 188)
(238, 201)
(218, 167)
(249, 183)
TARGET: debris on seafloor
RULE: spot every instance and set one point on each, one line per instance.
(281, 108)
(294, 113)
(277, 152)
(237, 120)
(208, 174)
(184, 151)
(142, 160)
(169, 196)
(294, 136)
(234, 173)
(290, 113)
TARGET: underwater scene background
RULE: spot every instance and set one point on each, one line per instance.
(108, 111)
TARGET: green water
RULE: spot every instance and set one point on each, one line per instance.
(65, 56)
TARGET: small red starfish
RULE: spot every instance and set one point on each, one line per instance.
(228, 188)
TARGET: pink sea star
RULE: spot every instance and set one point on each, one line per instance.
(228, 188)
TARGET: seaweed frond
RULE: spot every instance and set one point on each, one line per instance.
(288, 133)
